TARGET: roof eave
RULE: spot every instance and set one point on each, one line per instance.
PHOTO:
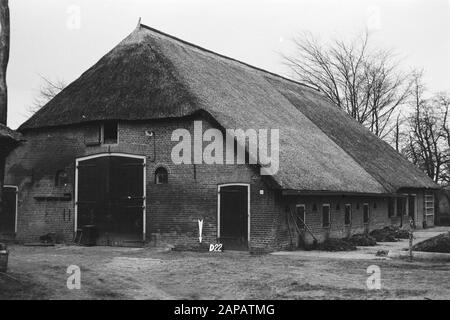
(291, 192)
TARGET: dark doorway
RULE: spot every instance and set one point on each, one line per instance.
(234, 217)
(8, 212)
(111, 198)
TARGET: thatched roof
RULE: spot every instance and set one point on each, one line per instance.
(152, 75)
(8, 134)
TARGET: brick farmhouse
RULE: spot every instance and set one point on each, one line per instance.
(99, 153)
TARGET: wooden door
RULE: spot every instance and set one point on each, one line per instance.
(8, 212)
(234, 217)
(111, 197)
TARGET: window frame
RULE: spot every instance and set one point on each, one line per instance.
(304, 214)
(58, 178)
(156, 175)
(401, 203)
(102, 134)
(412, 197)
(366, 205)
(391, 207)
(406, 203)
(348, 205)
(329, 216)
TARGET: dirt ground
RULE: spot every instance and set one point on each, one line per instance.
(128, 273)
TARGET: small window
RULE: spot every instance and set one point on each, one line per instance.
(61, 178)
(366, 213)
(300, 215)
(161, 176)
(412, 206)
(401, 206)
(92, 134)
(110, 129)
(348, 214)
(314, 207)
(326, 215)
(391, 207)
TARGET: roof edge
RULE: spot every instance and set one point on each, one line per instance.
(10, 134)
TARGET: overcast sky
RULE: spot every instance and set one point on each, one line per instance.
(60, 39)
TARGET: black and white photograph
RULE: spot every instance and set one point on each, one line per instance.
(225, 156)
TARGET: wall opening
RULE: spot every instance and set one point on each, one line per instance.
(234, 216)
(8, 214)
(110, 195)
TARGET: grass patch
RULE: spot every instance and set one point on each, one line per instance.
(15, 287)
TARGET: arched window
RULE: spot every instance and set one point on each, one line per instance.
(161, 176)
(61, 178)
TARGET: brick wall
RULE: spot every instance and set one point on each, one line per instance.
(174, 208)
(378, 215)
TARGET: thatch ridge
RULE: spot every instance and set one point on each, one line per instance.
(193, 45)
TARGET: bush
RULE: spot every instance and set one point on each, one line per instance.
(439, 243)
(402, 234)
(335, 245)
(362, 240)
(383, 235)
(389, 234)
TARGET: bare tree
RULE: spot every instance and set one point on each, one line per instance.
(443, 101)
(47, 91)
(366, 83)
(428, 142)
(397, 132)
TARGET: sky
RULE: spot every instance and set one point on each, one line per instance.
(60, 39)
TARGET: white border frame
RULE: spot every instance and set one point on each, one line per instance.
(17, 204)
(115, 154)
(248, 207)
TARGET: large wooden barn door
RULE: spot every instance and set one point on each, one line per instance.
(111, 197)
(126, 196)
(8, 214)
(234, 217)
